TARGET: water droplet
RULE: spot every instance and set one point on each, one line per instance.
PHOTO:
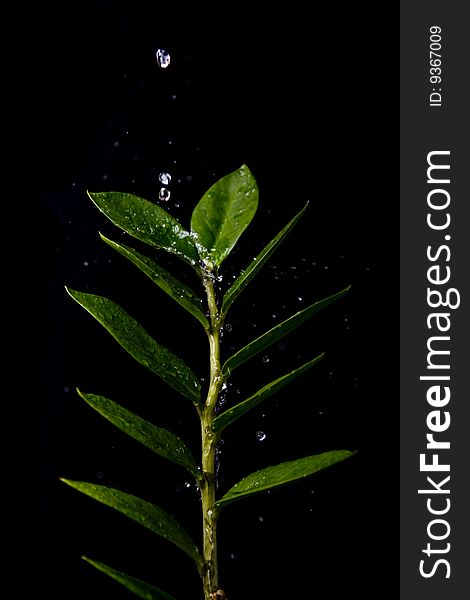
(228, 327)
(116, 144)
(100, 474)
(233, 556)
(189, 178)
(105, 177)
(163, 58)
(85, 263)
(265, 359)
(187, 484)
(210, 513)
(260, 519)
(260, 436)
(66, 388)
(164, 194)
(300, 299)
(164, 178)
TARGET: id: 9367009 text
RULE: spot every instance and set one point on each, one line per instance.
(435, 65)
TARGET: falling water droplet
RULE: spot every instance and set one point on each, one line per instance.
(164, 194)
(260, 436)
(163, 58)
(164, 178)
(260, 519)
(265, 359)
(228, 327)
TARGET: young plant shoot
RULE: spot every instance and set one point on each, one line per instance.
(218, 221)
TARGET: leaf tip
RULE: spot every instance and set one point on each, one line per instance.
(71, 292)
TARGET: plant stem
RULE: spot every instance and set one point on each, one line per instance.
(209, 443)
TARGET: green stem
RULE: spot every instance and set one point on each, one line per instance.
(209, 443)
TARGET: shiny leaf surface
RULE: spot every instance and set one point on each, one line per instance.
(281, 474)
(137, 586)
(223, 214)
(247, 275)
(276, 333)
(147, 222)
(167, 282)
(150, 516)
(160, 440)
(139, 344)
(232, 414)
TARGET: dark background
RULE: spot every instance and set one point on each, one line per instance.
(304, 101)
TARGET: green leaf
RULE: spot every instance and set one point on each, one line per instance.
(140, 345)
(223, 214)
(161, 441)
(147, 222)
(232, 414)
(276, 333)
(137, 586)
(247, 275)
(169, 284)
(281, 474)
(150, 516)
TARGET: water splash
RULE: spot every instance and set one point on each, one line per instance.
(163, 58)
(261, 436)
(164, 178)
(164, 194)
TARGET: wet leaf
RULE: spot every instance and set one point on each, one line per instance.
(167, 282)
(247, 275)
(161, 441)
(150, 516)
(147, 222)
(281, 474)
(232, 414)
(137, 586)
(223, 214)
(276, 333)
(140, 345)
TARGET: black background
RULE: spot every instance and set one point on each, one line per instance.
(305, 102)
